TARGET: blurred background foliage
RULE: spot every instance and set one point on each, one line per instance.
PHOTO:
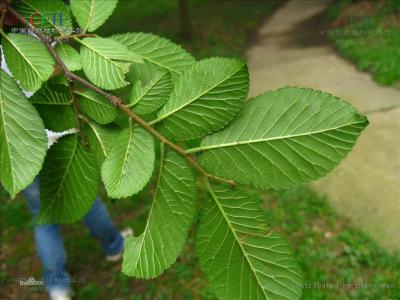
(216, 27)
(329, 249)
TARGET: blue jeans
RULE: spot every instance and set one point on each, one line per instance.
(49, 243)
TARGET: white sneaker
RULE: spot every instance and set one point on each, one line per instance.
(116, 257)
(60, 294)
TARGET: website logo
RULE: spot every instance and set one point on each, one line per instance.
(44, 18)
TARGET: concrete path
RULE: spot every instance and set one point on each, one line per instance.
(291, 49)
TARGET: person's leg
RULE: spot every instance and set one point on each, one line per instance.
(49, 245)
(102, 228)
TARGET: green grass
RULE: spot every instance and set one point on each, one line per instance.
(370, 39)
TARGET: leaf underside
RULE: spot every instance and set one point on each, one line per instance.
(130, 163)
(105, 62)
(69, 182)
(101, 139)
(96, 106)
(28, 60)
(149, 97)
(283, 138)
(170, 218)
(23, 142)
(241, 258)
(69, 56)
(205, 98)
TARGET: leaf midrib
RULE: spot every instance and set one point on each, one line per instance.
(246, 142)
(126, 154)
(90, 15)
(233, 231)
(196, 98)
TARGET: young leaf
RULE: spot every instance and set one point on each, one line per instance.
(23, 142)
(91, 14)
(130, 163)
(101, 139)
(205, 98)
(150, 97)
(283, 138)
(96, 106)
(240, 256)
(69, 182)
(170, 218)
(46, 14)
(69, 56)
(106, 61)
(157, 50)
(28, 60)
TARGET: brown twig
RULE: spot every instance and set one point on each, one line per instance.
(118, 102)
(75, 106)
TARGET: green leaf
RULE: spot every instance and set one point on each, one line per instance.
(130, 163)
(143, 72)
(47, 15)
(28, 60)
(69, 182)
(240, 256)
(58, 80)
(53, 102)
(57, 117)
(96, 106)
(23, 142)
(101, 139)
(69, 56)
(150, 97)
(205, 98)
(105, 62)
(52, 95)
(283, 138)
(157, 50)
(91, 14)
(170, 218)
